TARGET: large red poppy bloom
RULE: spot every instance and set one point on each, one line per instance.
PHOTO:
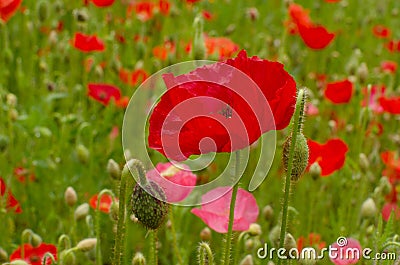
(11, 203)
(330, 156)
(339, 92)
(103, 3)
(87, 43)
(390, 104)
(8, 8)
(216, 102)
(34, 255)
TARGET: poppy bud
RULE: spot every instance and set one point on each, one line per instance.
(362, 72)
(308, 259)
(290, 242)
(315, 170)
(268, 212)
(146, 206)
(205, 234)
(363, 162)
(300, 157)
(13, 114)
(114, 208)
(43, 10)
(18, 262)
(254, 229)
(81, 211)
(4, 141)
(36, 240)
(138, 259)
(252, 13)
(274, 235)
(249, 244)
(67, 258)
(82, 153)
(248, 260)
(3, 255)
(113, 169)
(86, 244)
(81, 15)
(199, 48)
(11, 100)
(368, 208)
(70, 196)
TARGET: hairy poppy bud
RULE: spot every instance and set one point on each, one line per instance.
(82, 153)
(138, 259)
(81, 211)
(205, 234)
(146, 206)
(300, 158)
(87, 244)
(248, 260)
(268, 212)
(254, 229)
(113, 169)
(70, 196)
(368, 208)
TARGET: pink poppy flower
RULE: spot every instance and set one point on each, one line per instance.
(216, 213)
(177, 182)
(348, 251)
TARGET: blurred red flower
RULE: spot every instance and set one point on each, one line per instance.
(392, 163)
(393, 45)
(87, 43)
(387, 210)
(332, 1)
(234, 118)
(35, 255)
(103, 93)
(312, 240)
(133, 78)
(339, 92)
(10, 202)
(389, 67)
(216, 213)
(103, 3)
(162, 51)
(145, 10)
(390, 104)
(381, 31)
(8, 8)
(166, 175)
(330, 156)
(371, 98)
(105, 202)
(22, 174)
(207, 15)
(224, 47)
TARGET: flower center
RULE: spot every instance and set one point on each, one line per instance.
(170, 171)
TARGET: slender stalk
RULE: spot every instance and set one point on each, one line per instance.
(228, 238)
(48, 255)
(297, 123)
(204, 249)
(153, 247)
(174, 239)
(238, 247)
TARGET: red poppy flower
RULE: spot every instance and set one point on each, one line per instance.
(145, 10)
(35, 255)
(330, 156)
(224, 47)
(164, 6)
(392, 170)
(393, 45)
(381, 31)
(133, 78)
(22, 174)
(8, 8)
(162, 51)
(371, 98)
(233, 118)
(339, 92)
(103, 93)
(105, 202)
(103, 3)
(332, 1)
(389, 67)
(207, 15)
(387, 210)
(11, 203)
(313, 240)
(299, 15)
(87, 43)
(390, 105)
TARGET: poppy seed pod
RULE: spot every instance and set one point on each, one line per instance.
(300, 158)
(70, 196)
(138, 259)
(146, 206)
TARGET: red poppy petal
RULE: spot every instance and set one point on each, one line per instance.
(339, 92)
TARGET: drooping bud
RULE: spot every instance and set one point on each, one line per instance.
(368, 208)
(82, 153)
(315, 170)
(81, 211)
(42, 10)
(300, 157)
(67, 258)
(363, 162)
(146, 206)
(4, 141)
(86, 244)
(290, 242)
(36, 240)
(199, 48)
(268, 212)
(138, 259)
(248, 260)
(254, 229)
(3, 256)
(70, 196)
(113, 169)
(205, 234)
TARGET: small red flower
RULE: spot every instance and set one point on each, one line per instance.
(207, 15)
(393, 45)
(392, 162)
(224, 47)
(133, 78)
(371, 98)
(381, 31)
(339, 92)
(87, 43)
(313, 240)
(35, 255)
(330, 156)
(389, 67)
(11, 204)
(8, 8)
(162, 51)
(22, 174)
(390, 104)
(332, 1)
(387, 210)
(103, 93)
(105, 202)
(103, 3)
(231, 121)
(145, 10)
